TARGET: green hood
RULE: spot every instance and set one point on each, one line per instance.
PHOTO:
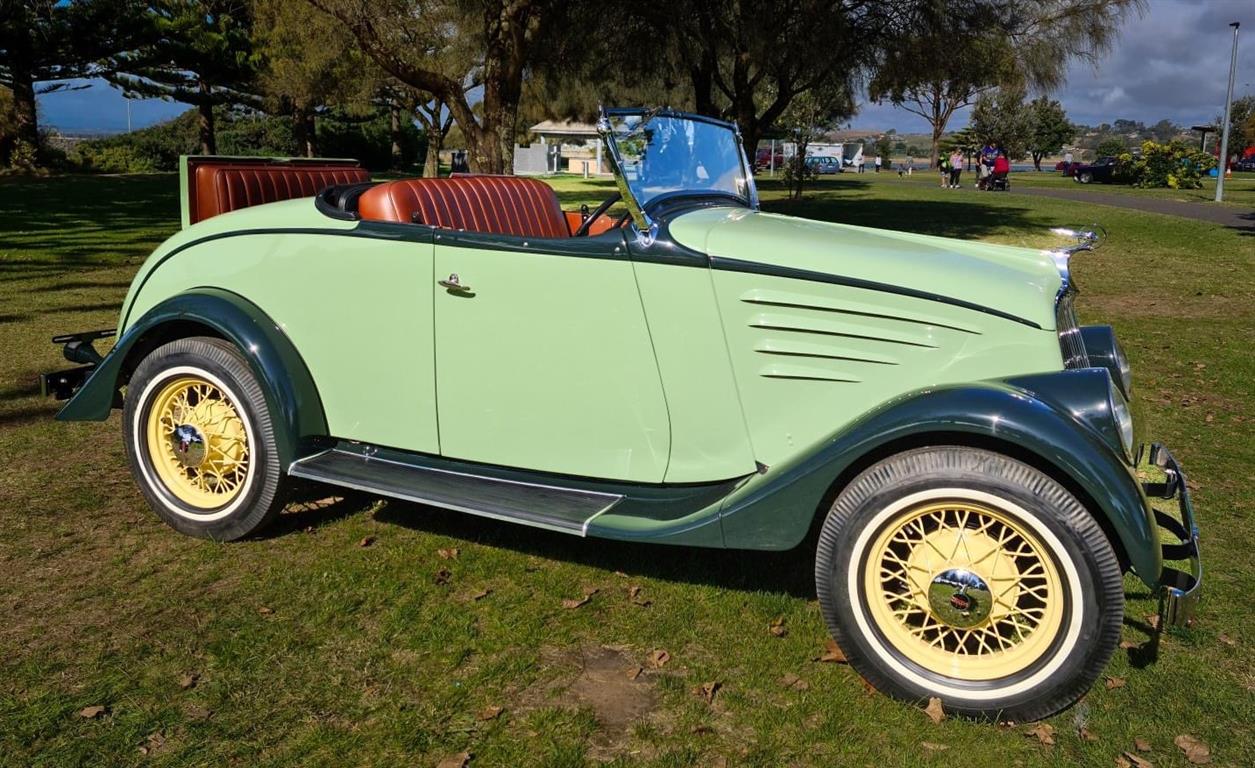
(1017, 281)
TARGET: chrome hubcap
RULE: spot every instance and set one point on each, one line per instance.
(189, 445)
(959, 598)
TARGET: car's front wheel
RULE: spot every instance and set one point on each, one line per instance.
(969, 576)
(200, 441)
(1085, 177)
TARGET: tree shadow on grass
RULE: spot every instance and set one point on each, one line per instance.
(790, 572)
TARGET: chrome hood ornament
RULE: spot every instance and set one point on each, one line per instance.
(1087, 239)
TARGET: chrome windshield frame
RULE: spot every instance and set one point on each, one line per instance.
(645, 226)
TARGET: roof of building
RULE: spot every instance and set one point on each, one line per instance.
(563, 128)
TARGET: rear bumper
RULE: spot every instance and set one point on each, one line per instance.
(1180, 583)
(77, 349)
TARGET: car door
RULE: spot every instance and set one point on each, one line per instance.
(543, 357)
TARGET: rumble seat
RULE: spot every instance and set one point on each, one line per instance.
(503, 205)
(218, 185)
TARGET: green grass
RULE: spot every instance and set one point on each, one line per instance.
(312, 650)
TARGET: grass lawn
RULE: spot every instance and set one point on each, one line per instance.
(370, 633)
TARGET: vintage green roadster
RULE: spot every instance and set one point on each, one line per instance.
(926, 412)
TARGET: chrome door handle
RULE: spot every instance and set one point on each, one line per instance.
(453, 283)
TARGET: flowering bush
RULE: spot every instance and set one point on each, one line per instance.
(1174, 165)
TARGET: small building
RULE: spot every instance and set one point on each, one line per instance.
(561, 146)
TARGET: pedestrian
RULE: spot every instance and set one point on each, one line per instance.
(956, 167)
(910, 164)
(943, 165)
(878, 162)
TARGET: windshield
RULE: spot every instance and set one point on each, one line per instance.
(668, 153)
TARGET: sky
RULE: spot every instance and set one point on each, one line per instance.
(1172, 62)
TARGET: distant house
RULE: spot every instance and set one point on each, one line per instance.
(561, 146)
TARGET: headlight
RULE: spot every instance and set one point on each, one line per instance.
(1123, 368)
(1124, 420)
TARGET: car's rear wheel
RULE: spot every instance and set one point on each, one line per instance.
(200, 441)
(1085, 177)
(969, 576)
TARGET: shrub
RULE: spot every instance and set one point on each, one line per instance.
(1111, 147)
(1175, 165)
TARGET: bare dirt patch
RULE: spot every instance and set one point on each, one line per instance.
(596, 677)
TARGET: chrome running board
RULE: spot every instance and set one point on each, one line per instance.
(568, 510)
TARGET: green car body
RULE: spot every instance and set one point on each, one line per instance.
(746, 358)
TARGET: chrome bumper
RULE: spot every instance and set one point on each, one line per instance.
(1180, 585)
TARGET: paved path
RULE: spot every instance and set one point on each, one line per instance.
(1226, 215)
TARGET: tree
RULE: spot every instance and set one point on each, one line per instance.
(310, 64)
(199, 52)
(450, 48)
(1049, 129)
(1112, 146)
(955, 50)
(884, 148)
(809, 115)
(1001, 116)
(49, 40)
(1241, 123)
(1164, 131)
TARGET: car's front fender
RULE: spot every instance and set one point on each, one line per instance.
(1045, 417)
(291, 395)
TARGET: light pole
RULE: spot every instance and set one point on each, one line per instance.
(1228, 104)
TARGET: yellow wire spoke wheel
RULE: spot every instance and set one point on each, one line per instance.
(197, 442)
(964, 590)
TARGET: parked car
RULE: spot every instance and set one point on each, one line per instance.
(1246, 165)
(1103, 170)
(763, 159)
(1068, 169)
(824, 165)
(694, 371)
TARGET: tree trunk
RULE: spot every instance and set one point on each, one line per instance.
(435, 143)
(935, 152)
(395, 132)
(25, 109)
(303, 128)
(208, 141)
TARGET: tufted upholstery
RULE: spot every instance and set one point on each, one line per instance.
(503, 205)
(222, 185)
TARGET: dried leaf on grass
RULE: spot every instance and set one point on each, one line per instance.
(702, 730)
(832, 653)
(1153, 620)
(154, 742)
(460, 760)
(708, 690)
(791, 680)
(1086, 734)
(1196, 751)
(1135, 761)
(634, 593)
(197, 712)
(449, 554)
(1141, 745)
(442, 577)
(658, 658)
(1115, 682)
(634, 672)
(1227, 640)
(265, 611)
(571, 602)
(366, 541)
(91, 713)
(1127, 644)
(475, 597)
(933, 746)
(1044, 732)
(777, 627)
(189, 680)
(490, 712)
(934, 710)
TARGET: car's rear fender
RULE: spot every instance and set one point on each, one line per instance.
(291, 395)
(777, 509)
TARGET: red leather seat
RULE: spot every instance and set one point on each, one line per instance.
(503, 205)
(219, 185)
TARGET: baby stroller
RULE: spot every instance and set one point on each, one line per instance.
(999, 182)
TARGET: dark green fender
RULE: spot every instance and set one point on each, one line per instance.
(1059, 419)
(290, 392)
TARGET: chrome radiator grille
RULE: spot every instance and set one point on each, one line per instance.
(1070, 342)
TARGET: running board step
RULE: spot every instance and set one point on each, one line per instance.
(561, 509)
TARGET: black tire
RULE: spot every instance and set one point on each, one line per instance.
(264, 487)
(1085, 178)
(1089, 585)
